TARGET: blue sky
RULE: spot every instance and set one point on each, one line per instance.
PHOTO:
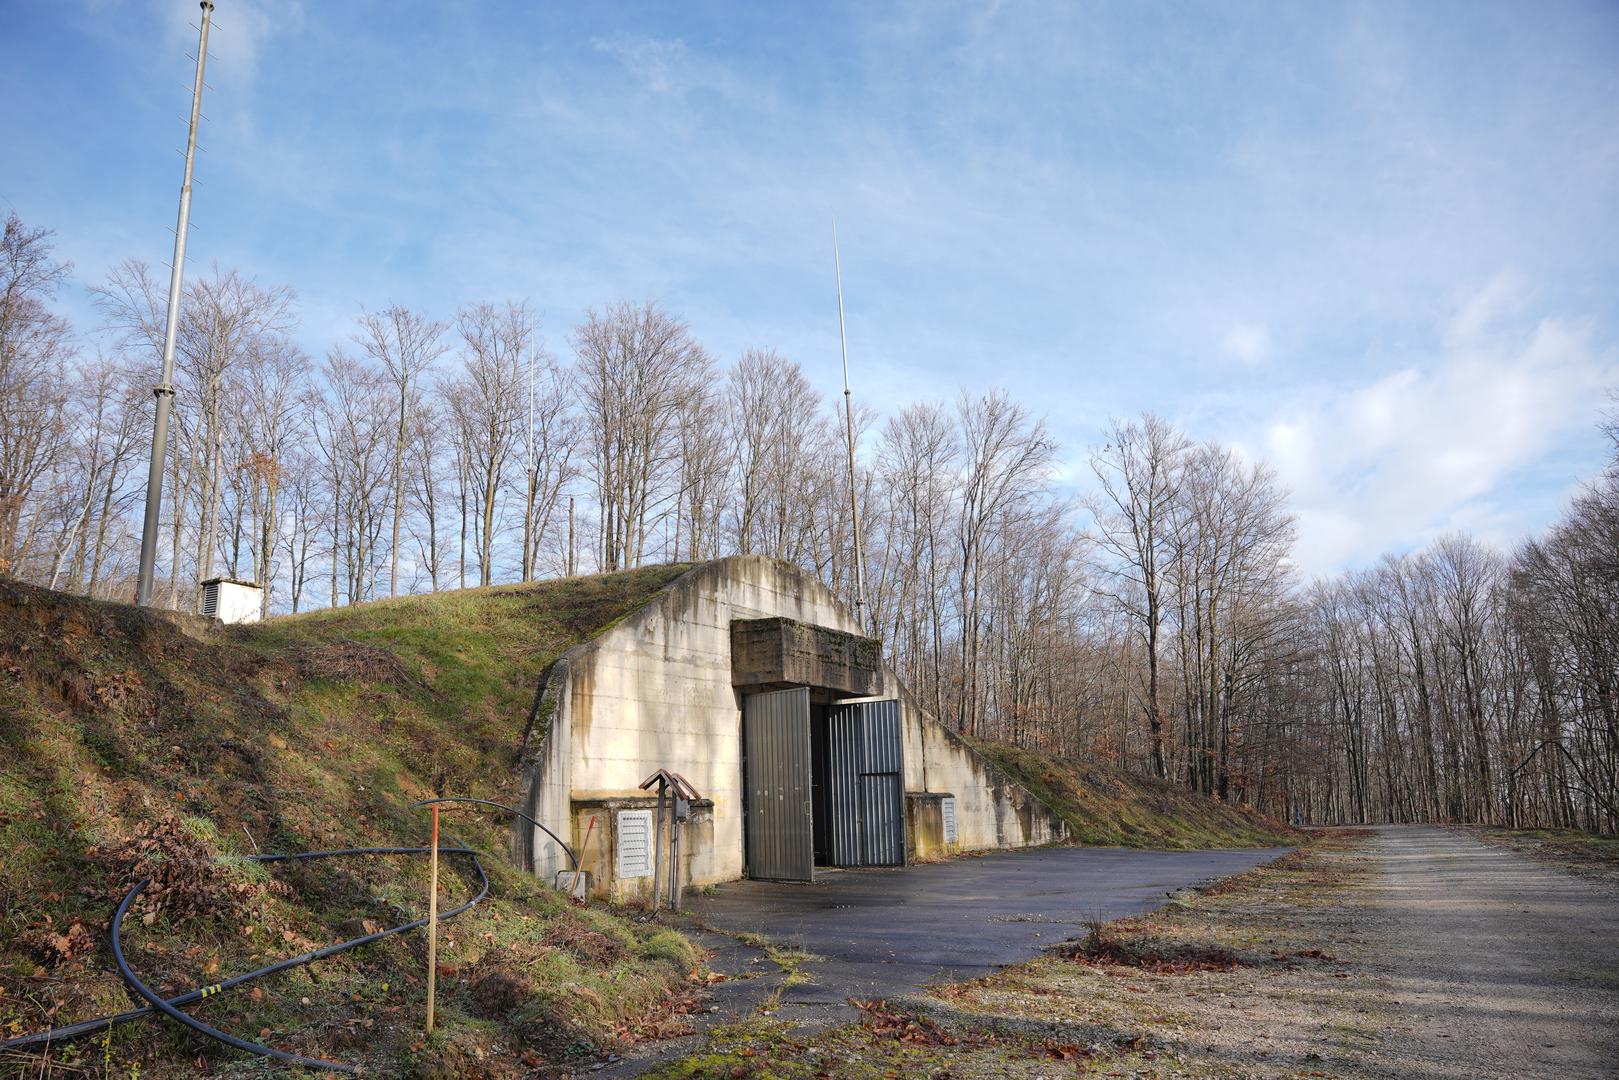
(1374, 244)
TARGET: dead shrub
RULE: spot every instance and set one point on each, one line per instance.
(1099, 950)
(186, 876)
(353, 660)
(590, 947)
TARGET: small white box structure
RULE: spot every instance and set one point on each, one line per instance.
(947, 811)
(575, 883)
(634, 843)
(232, 601)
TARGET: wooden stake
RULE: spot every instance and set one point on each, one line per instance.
(432, 924)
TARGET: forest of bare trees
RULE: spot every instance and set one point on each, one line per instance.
(1155, 622)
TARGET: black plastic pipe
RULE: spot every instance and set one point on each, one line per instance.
(157, 1002)
(510, 810)
(43, 1039)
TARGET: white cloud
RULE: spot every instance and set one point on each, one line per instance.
(666, 66)
(1431, 447)
(1247, 343)
(657, 64)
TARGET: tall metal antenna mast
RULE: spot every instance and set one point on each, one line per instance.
(848, 421)
(165, 387)
(529, 569)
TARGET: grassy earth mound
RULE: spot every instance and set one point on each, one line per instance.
(133, 744)
(1107, 807)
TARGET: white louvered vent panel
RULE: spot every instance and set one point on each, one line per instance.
(210, 599)
(947, 809)
(634, 843)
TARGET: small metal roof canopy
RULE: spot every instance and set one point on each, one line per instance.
(664, 779)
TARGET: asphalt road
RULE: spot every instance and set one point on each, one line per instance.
(884, 933)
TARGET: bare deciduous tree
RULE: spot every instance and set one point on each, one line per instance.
(34, 354)
(1006, 457)
(487, 402)
(406, 344)
(638, 366)
(1138, 472)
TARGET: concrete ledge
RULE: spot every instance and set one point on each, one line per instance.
(775, 653)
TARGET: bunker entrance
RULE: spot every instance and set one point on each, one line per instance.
(823, 784)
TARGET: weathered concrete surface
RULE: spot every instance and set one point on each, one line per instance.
(1498, 966)
(770, 654)
(924, 825)
(883, 933)
(656, 691)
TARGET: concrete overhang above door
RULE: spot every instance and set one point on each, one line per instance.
(773, 654)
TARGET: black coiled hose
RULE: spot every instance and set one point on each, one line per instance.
(170, 1006)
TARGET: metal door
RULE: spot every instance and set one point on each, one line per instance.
(865, 782)
(776, 775)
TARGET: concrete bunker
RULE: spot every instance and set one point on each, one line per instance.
(753, 682)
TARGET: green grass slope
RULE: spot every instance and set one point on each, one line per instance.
(1108, 807)
(129, 747)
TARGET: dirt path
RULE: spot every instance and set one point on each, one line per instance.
(1498, 965)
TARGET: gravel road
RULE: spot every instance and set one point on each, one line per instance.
(1500, 966)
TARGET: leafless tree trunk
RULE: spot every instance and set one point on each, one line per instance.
(406, 344)
(1138, 471)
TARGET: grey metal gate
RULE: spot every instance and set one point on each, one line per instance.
(776, 775)
(865, 785)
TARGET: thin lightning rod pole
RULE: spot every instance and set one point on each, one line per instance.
(848, 421)
(164, 390)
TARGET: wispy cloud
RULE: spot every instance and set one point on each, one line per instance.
(660, 66)
(1423, 449)
(239, 34)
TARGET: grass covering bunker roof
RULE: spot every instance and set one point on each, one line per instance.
(311, 731)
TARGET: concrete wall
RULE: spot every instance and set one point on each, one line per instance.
(656, 691)
(991, 809)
